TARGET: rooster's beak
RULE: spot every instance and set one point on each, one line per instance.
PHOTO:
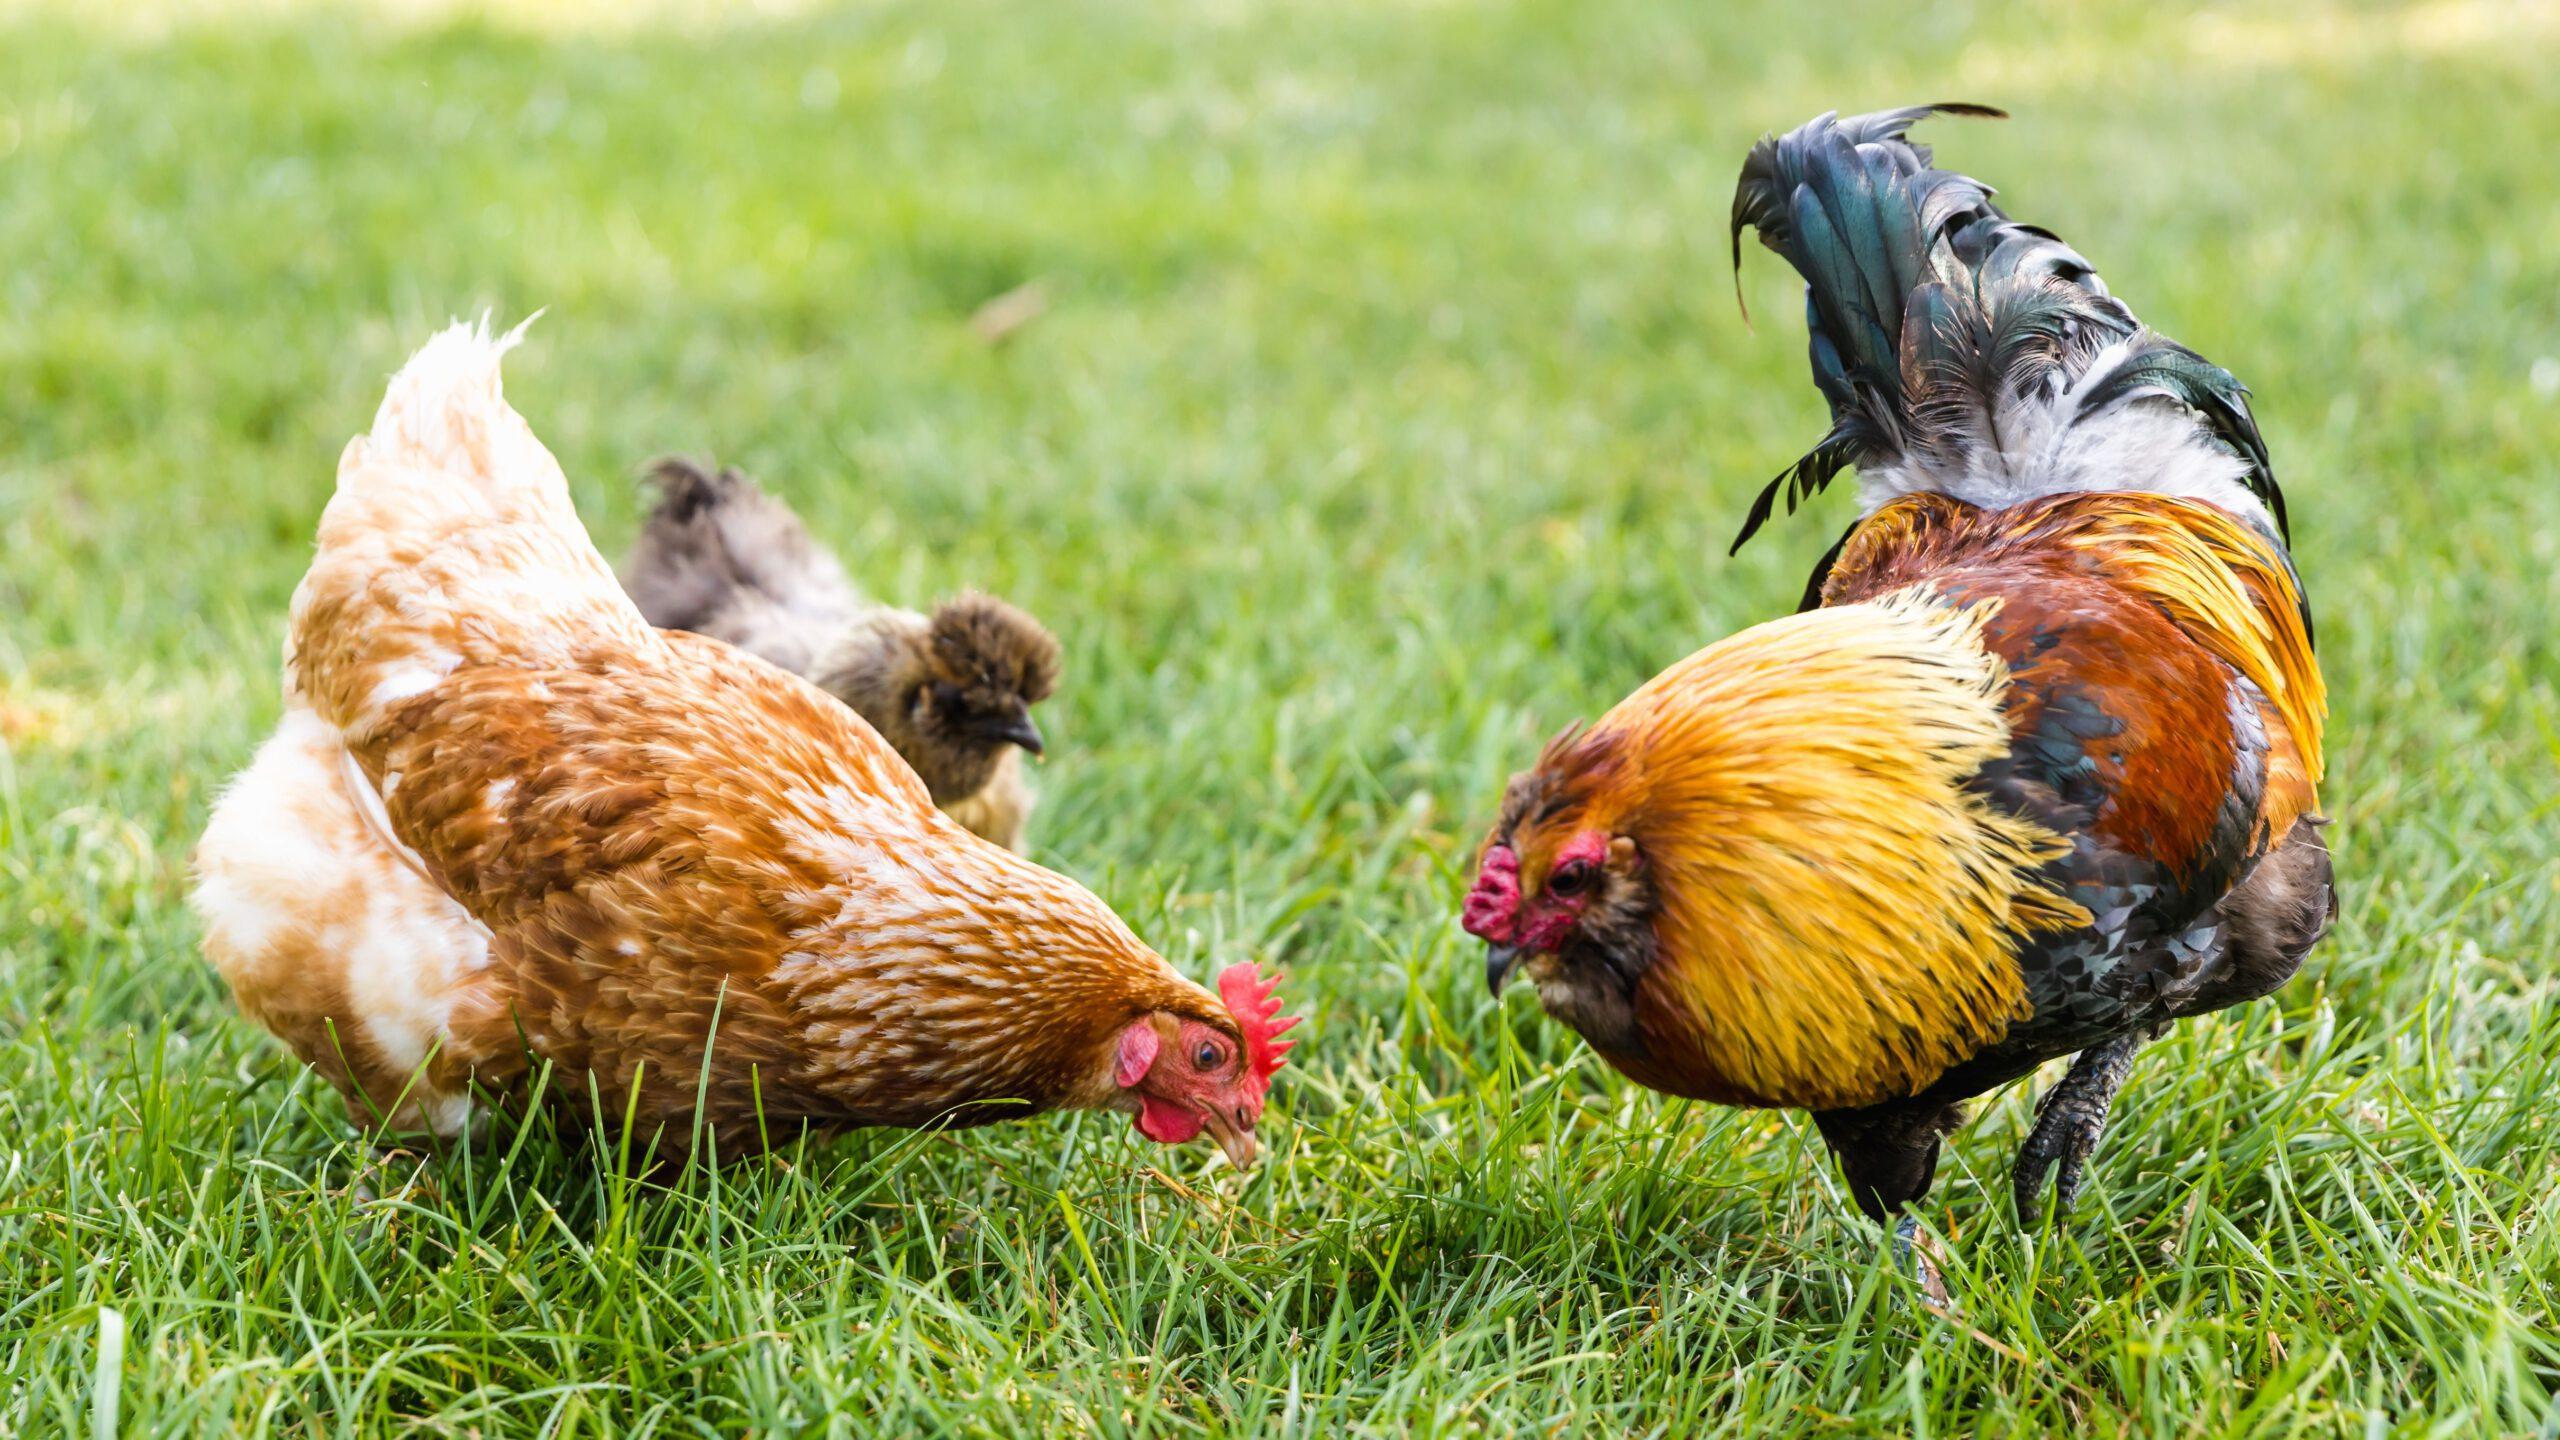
(1498, 960)
(1237, 1140)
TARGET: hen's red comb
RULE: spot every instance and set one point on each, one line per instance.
(1249, 999)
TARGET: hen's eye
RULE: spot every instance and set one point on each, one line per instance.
(1571, 878)
(1206, 1057)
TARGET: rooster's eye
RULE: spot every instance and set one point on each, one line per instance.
(1571, 878)
(1206, 1057)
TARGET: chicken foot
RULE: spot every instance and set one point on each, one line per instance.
(2069, 1120)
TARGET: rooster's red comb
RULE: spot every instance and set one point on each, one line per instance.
(1493, 906)
(1249, 999)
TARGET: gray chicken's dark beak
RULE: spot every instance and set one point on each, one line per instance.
(1498, 960)
(1015, 729)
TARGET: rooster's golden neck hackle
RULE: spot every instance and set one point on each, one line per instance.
(2034, 771)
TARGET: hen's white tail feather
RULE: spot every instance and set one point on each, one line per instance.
(441, 408)
(451, 540)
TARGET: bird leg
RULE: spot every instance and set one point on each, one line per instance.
(1912, 1248)
(2068, 1121)
(1889, 1153)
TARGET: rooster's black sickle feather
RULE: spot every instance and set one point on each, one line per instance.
(1930, 312)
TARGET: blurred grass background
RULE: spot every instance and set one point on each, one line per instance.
(1390, 409)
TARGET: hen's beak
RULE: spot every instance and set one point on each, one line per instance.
(1498, 960)
(1016, 728)
(1234, 1138)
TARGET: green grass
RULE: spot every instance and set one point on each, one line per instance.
(1393, 410)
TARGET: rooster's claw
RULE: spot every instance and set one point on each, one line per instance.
(2061, 1143)
(2069, 1120)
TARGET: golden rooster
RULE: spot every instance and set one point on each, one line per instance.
(505, 821)
(2032, 775)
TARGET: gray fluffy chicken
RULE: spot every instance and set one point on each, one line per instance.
(952, 691)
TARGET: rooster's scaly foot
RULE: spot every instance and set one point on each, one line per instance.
(2069, 1120)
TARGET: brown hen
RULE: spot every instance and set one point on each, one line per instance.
(507, 823)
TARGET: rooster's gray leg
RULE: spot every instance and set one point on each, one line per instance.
(1912, 1251)
(2068, 1121)
(1889, 1153)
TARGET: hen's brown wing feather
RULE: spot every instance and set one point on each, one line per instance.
(654, 846)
